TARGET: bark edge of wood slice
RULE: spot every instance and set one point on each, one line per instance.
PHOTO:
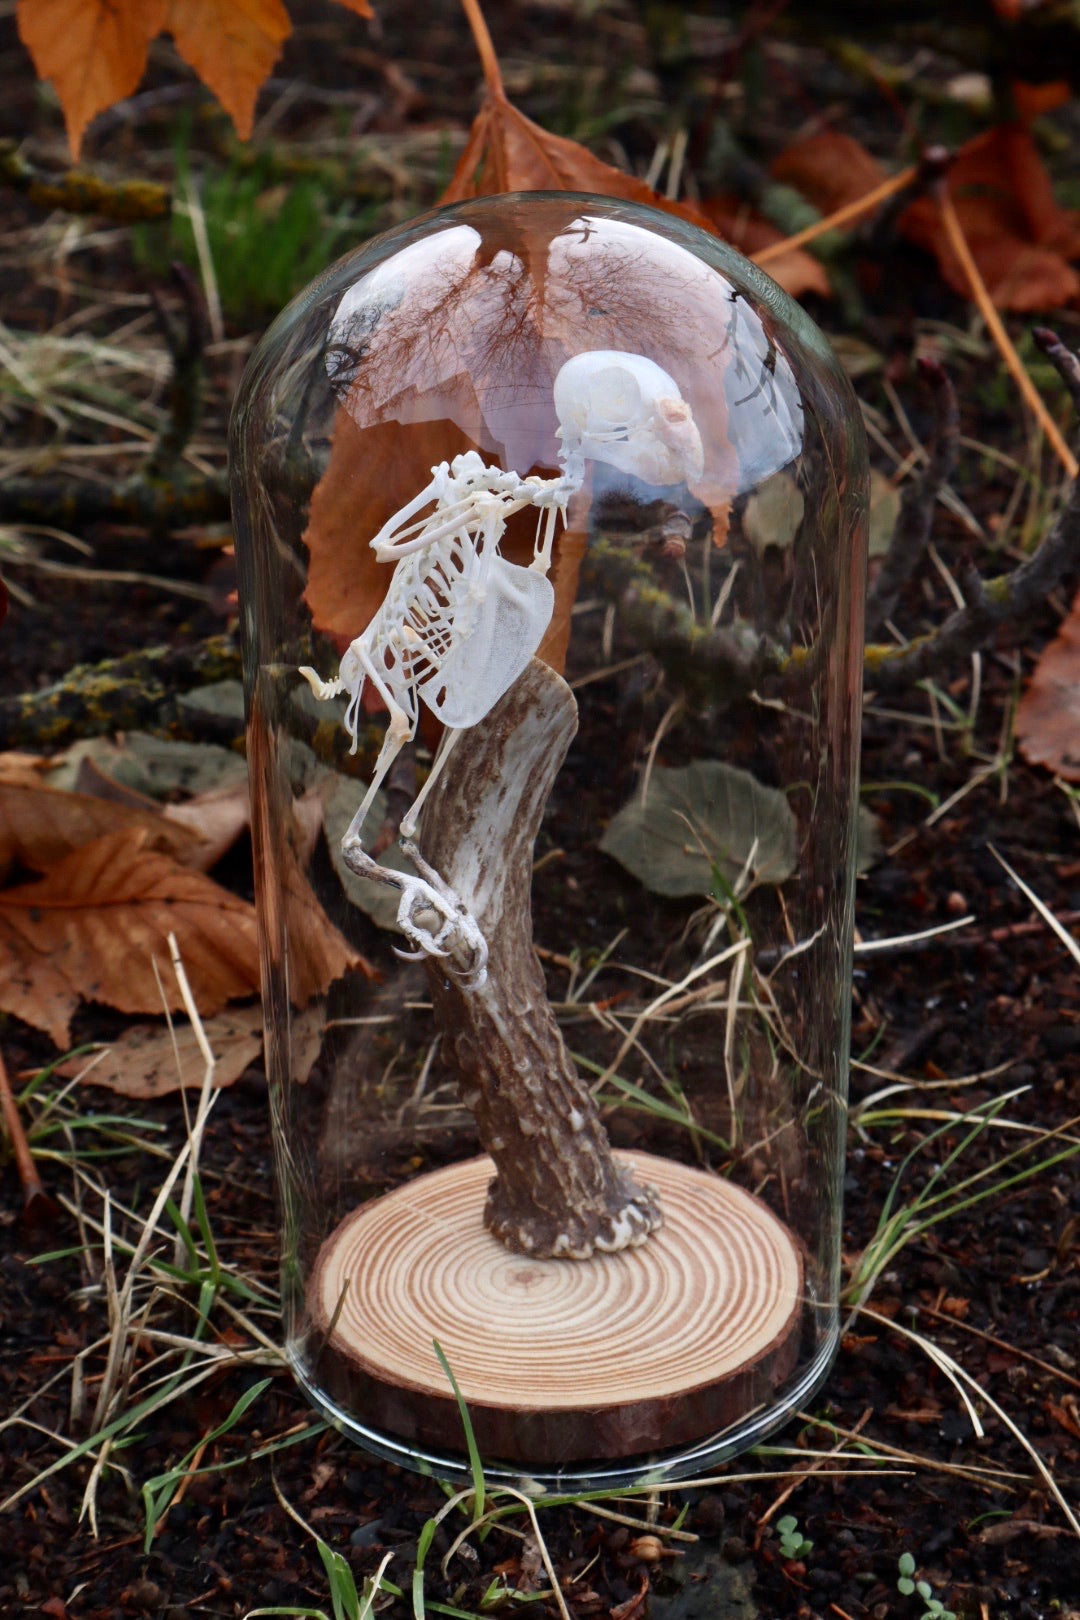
(559, 1361)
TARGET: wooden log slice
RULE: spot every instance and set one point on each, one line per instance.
(558, 1360)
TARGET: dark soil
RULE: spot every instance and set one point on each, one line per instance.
(996, 1288)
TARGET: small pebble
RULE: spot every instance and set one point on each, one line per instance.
(649, 1549)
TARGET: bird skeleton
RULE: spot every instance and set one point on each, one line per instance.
(459, 622)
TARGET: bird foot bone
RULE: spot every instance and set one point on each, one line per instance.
(430, 914)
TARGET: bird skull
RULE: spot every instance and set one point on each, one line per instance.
(626, 411)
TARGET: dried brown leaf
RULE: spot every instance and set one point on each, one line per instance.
(217, 819)
(302, 945)
(150, 1060)
(318, 952)
(91, 929)
(797, 271)
(39, 826)
(1020, 239)
(830, 169)
(1048, 718)
(29, 769)
(508, 152)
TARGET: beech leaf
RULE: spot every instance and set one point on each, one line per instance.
(682, 823)
(40, 826)
(92, 927)
(508, 152)
(1048, 718)
(232, 45)
(150, 1060)
(93, 52)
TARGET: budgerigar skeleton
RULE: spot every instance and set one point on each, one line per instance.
(459, 622)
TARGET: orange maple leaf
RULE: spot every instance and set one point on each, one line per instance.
(232, 45)
(93, 52)
(508, 152)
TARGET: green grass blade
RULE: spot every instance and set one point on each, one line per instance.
(158, 1492)
(475, 1465)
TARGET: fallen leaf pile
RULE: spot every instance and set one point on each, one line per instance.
(114, 881)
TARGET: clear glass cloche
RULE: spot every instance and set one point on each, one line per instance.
(551, 527)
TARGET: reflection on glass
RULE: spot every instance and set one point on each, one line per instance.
(560, 506)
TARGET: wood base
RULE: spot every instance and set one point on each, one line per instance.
(558, 1360)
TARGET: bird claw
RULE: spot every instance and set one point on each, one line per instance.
(456, 940)
(455, 937)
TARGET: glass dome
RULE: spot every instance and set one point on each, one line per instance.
(551, 530)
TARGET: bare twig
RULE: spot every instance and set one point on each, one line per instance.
(988, 604)
(153, 505)
(186, 345)
(898, 185)
(126, 694)
(916, 518)
(1067, 363)
(801, 1474)
(36, 1201)
(79, 192)
(996, 327)
(489, 59)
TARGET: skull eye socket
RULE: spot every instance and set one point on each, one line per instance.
(614, 400)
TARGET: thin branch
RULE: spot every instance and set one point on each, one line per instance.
(136, 692)
(987, 605)
(158, 505)
(915, 523)
(489, 60)
(898, 183)
(186, 345)
(36, 1201)
(996, 327)
(79, 192)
